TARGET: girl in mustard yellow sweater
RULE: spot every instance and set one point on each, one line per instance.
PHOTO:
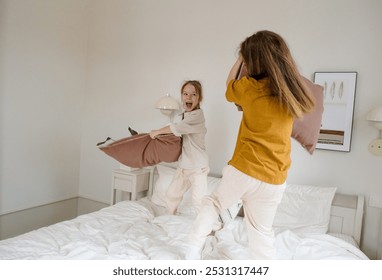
(271, 96)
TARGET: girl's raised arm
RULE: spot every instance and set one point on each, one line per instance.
(234, 70)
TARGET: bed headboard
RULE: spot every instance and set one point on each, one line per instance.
(347, 215)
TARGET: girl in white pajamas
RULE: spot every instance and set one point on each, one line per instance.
(193, 165)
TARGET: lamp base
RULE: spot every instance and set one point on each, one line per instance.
(375, 147)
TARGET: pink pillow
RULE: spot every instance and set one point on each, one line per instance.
(141, 150)
(307, 129)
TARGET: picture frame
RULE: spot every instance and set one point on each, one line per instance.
(337, 119)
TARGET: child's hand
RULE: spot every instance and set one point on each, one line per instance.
(163, 130)
(153, 134)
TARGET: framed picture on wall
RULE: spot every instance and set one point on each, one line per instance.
(337, 119)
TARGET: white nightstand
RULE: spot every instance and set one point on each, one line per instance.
(133, 182)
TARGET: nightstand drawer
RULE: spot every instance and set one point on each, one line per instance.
(123, 184)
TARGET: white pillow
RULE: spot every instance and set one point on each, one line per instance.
(304, 209)
(165, 176)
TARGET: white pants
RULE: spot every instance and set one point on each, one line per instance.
(260, 201)
(196, 179)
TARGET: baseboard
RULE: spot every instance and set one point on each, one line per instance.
(86, 205)
(19, 222)
(31, 206)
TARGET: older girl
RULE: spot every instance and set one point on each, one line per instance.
(271, 96)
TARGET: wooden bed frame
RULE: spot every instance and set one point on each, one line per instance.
(346, 212)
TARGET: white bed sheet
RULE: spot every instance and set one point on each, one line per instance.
(138, 230)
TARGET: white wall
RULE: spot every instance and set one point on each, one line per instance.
(139, 50)
(43, 48)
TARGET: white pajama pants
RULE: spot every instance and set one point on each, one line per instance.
(260, 201)
(195, 179)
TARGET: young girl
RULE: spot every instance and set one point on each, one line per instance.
(271, 96)
(193, 166)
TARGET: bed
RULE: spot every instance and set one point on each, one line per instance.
(311, 223)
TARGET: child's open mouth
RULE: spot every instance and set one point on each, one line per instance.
(189, 105)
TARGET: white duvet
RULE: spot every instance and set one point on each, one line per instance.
(135, 230)
(231, 243)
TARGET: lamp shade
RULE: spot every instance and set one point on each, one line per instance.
(167, 104)
(375, 116)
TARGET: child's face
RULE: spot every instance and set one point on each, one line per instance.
(190, 98)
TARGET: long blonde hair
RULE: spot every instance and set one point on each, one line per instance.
(266, 53)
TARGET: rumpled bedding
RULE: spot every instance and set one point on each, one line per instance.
(138, 230)
(126, 230)
(232, 243)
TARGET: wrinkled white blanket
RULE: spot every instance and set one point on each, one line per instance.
(135, 230)
(231, 243)
(127, 230)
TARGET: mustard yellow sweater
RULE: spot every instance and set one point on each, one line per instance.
(263, 143)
